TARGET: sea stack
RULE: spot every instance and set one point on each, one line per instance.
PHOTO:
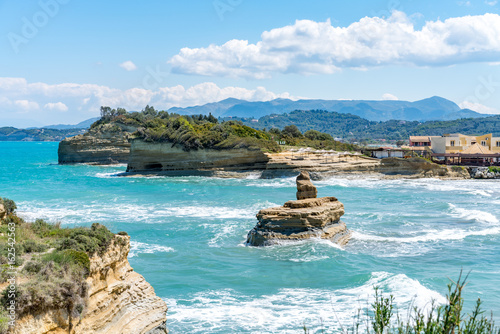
(307, 217)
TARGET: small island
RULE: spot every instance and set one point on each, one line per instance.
(307, 217)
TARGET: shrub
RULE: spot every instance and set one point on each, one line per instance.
(9, 205)
(31, 246)
(93, 240)
(494, 169)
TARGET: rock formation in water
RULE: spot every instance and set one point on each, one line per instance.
(101, 145)
(120, 301)
(307, 217)
(305, 188)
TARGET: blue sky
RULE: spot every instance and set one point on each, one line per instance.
(61, 59)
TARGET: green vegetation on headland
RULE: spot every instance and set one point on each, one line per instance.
(53, 262)
(206, 132)
(445, 319)
(348, 126)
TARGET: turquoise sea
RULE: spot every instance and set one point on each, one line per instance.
(188, 234)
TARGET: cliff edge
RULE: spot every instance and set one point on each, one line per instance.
(119, 301)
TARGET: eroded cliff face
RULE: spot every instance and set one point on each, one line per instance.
(106, 144)
(167, 158)
(120, 301)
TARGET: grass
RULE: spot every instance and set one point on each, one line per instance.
(449, 318)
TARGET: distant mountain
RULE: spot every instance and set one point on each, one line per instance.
(14, 134)
(350, 126)
(434, 108)
(82, 125)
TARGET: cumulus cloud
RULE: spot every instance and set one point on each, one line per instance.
(309, 47)
(388, 96)
(21, 99)
(128, 66)
(59, 106)
(478, 107)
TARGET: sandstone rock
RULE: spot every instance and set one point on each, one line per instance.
(2, 211)
(299, 220)
(120, 301)
(305, 188)
(170, 159)
(101, 146)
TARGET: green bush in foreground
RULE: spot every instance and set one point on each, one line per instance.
(57, 265)
(446, 319)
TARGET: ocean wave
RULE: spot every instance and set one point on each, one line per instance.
(468, 214)
(221, 232)
(428, 236)
(469, 187)
(137, 247)
(112, 211)
(289, 309)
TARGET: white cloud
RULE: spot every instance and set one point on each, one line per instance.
(478, 107)
(309, 47)
(26, 105)
(128, 66)
(388, 96)
(491, 3)
(18, 97)
(59, 106)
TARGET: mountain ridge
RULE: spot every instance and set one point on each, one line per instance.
(434, 108)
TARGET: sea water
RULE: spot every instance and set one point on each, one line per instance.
(410, 237)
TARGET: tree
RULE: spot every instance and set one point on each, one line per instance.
(292, 131)
(105, 113)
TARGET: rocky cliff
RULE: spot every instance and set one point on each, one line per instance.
(101, 145)
(170, 159)
(307, 217)
(120, 301)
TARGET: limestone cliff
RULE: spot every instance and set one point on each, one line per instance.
(309, 217)
(120, 301)
(169, 159)
(103, 144)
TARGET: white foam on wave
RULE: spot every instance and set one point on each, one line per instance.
(106, 175)
(221, 232)
(477, 215)
(289, 309)
(471, 187)
(429, 235)
(137, 247)
(113, 211)
(274, 183)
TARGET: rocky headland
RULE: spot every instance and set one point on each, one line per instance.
(101, 145)
(301, 219)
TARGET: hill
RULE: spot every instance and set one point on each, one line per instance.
(350, 126)
(82, 125)
(14, 134)
(434, 108)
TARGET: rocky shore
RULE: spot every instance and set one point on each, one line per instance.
(305, 218)
(111, 144)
